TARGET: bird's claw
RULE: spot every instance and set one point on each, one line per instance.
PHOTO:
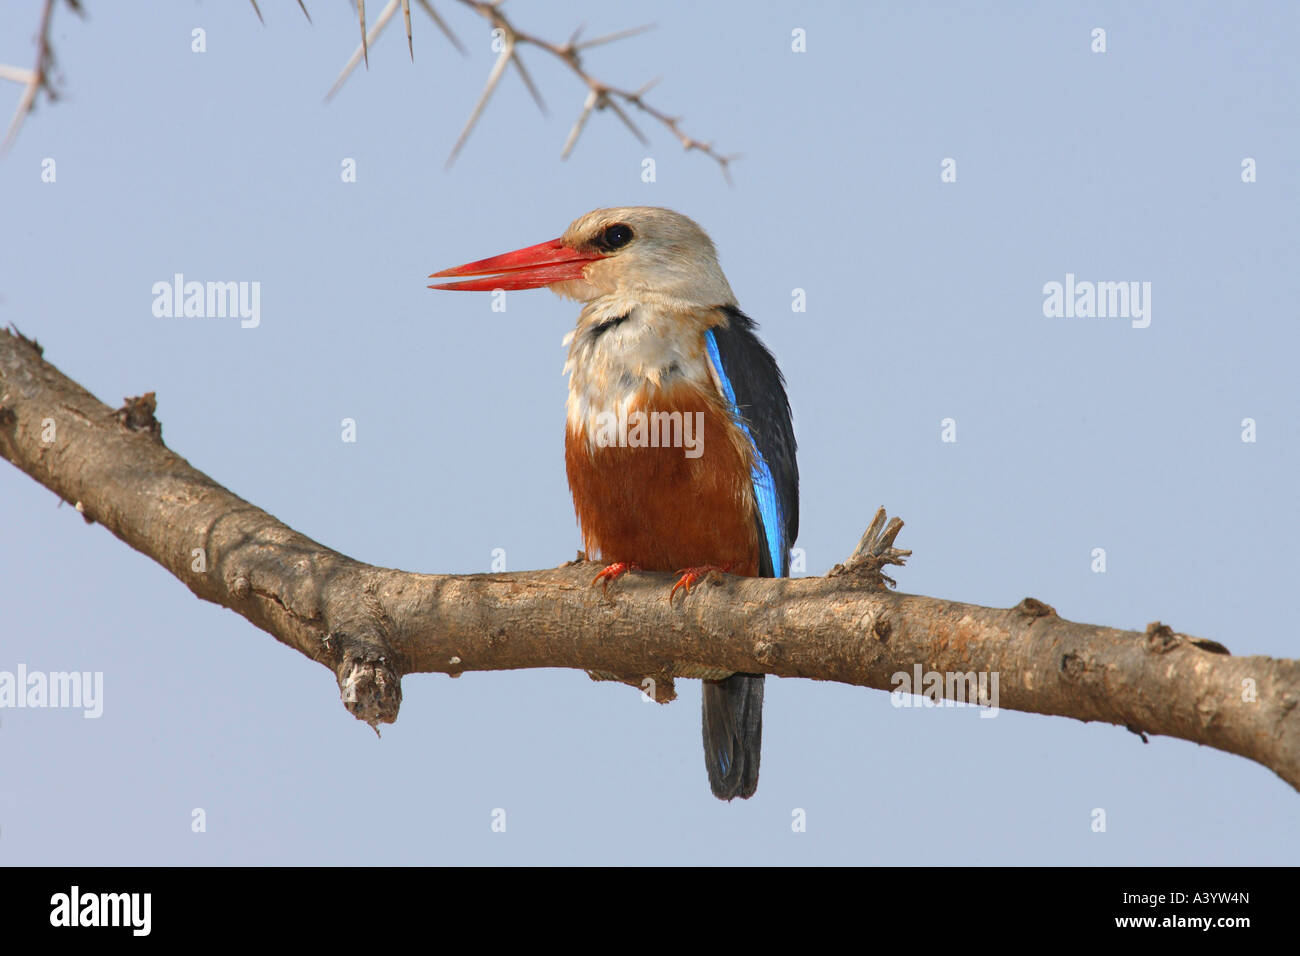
(690, 575)
(613, 572)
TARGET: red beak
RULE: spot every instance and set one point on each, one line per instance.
(529, 268)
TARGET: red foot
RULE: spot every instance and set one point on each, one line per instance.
(614, 572)
(690, 575)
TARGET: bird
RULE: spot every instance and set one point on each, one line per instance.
(679, 441)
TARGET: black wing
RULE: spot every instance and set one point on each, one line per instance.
(752, 381)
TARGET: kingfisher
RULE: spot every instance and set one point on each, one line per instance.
(679, 445)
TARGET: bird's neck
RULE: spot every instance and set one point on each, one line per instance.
(624, 353)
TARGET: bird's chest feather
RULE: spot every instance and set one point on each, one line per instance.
(662, 479)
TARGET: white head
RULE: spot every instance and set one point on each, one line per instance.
(642, 255)
(650, 256)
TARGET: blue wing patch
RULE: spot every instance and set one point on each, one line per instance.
(769, 506)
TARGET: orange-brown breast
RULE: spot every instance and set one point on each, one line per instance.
(660, 508)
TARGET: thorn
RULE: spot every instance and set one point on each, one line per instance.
(446, 30)
(498, 70)
(574, 133)
(528, 81)
(365, 45)
(257, 11)
(627, 120)
(16, 74)
(359, 52)
(611, 37)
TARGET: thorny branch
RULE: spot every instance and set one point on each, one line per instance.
(371, 626)
(600, 95)
(37, 78)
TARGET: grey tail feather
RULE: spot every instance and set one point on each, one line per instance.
(733, 734)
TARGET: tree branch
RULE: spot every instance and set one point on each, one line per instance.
(35, 79)
(600, 95)
(372, 625)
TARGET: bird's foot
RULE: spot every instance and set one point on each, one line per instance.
(690, 575)
(613, 572)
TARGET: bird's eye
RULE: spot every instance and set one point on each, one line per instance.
(614, 237)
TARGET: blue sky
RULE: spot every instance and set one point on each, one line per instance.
(924, 302)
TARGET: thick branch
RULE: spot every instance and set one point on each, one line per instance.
(372, 625)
